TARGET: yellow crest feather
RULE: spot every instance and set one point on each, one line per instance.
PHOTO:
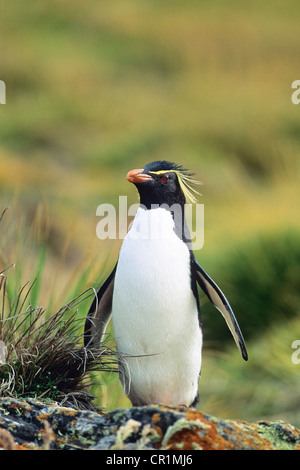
(186, 183)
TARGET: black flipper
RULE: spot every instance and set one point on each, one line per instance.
(99, 313)
(219, 300)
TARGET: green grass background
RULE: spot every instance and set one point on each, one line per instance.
(97, 88)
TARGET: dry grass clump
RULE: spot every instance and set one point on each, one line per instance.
(42, 356)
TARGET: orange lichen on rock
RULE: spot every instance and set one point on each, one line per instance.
(27, 446)
(195, 430)
(6, 440)
(22, 407)
(43, 416)
(155, 418)
(157, 427)
(69, 412)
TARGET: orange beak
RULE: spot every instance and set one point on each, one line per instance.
(136, 176)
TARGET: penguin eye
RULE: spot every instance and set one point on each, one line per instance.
(163, 179)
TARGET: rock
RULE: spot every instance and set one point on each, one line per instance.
(33, 424)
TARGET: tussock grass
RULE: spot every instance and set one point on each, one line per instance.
(43, 356)
(42, 353)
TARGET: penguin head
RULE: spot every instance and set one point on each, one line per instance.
(163, 182)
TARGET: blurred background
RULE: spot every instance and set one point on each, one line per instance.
(96, 88)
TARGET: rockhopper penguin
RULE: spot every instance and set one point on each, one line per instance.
(152, 295)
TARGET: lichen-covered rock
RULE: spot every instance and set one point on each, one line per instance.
(32, 424)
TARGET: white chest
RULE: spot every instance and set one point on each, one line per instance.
(155, 315)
